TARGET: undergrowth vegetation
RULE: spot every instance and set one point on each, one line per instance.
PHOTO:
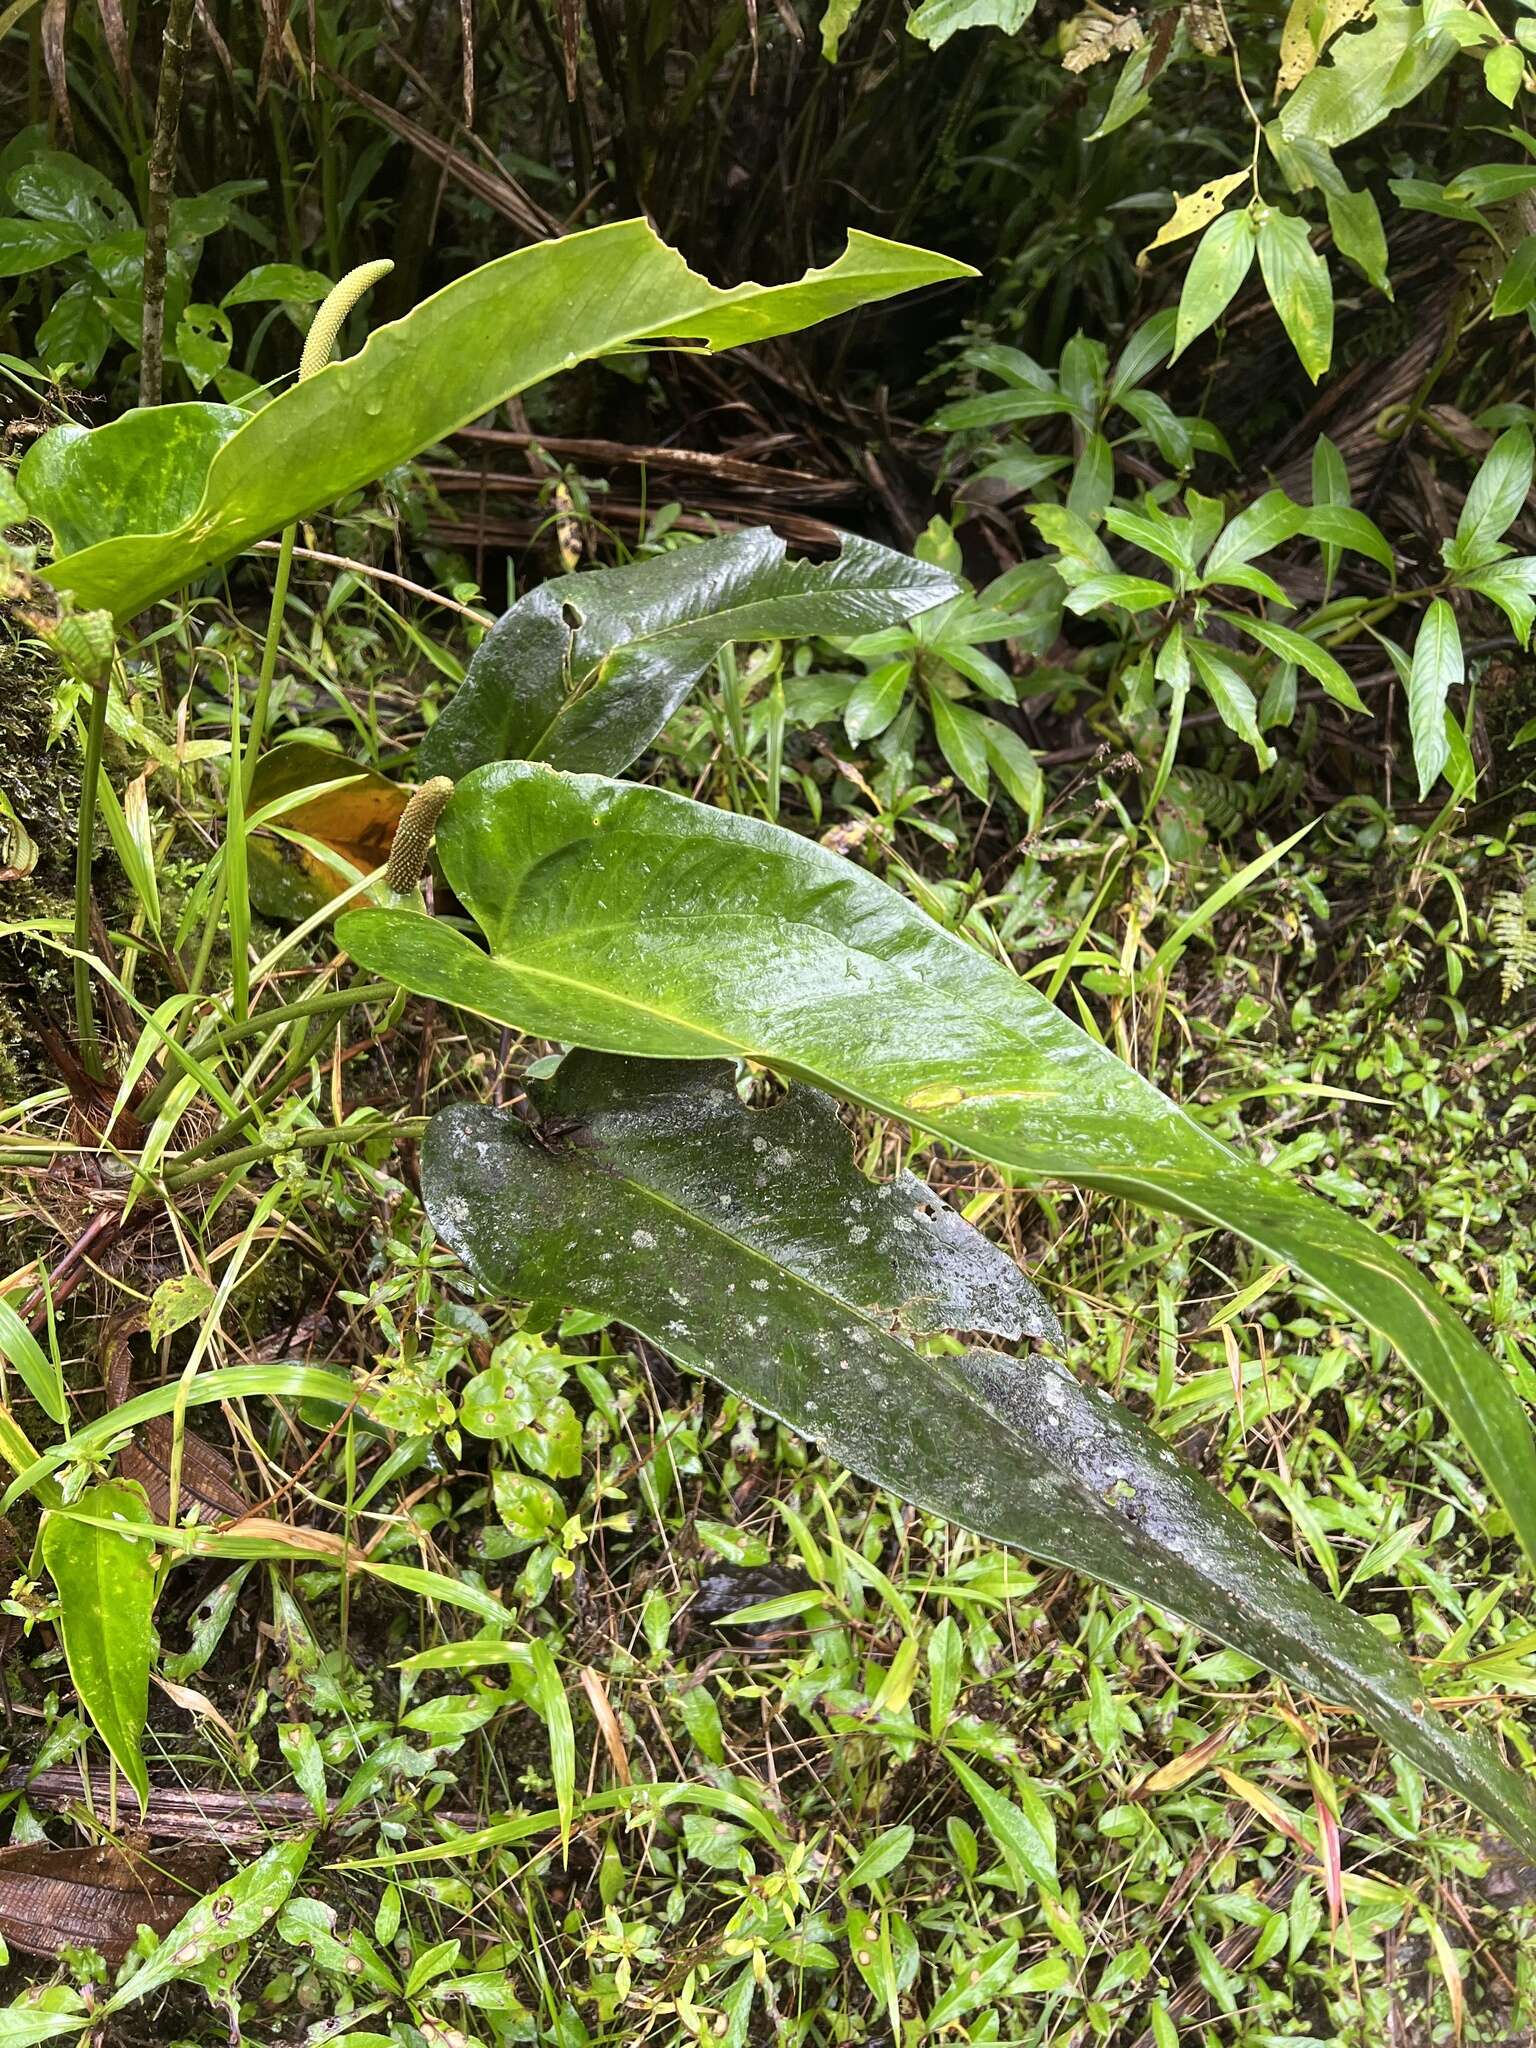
(766, 1046)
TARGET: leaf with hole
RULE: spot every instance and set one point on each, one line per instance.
(584, 671)
(461, 352)
(1369, 75)
(232, 1913)
(748, 1245)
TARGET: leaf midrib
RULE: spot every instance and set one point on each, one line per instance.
(943, 1371)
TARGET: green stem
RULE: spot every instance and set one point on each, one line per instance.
(252, 747)
(259, 709)
(254, 1155)
(218, 1039)
(85, 844)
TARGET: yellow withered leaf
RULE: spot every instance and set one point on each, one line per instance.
(1193, 211)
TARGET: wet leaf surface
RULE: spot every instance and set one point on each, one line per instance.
(53, 1899)
(731, 1238)
(632, 920)
(584, 671)
(511, 323)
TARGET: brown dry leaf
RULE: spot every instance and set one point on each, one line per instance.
(275, 15)
(1188, 1764)
(1094, 38)
(191, 1701)
(115, 29)
(1207, 29)
(209, 1481)
(607, 1721)
(358, 821)
(216, 42)
(570, 39)
(53, 1899)
(1269, 1810)
(54, 29)
(290, 1536)
(467, 26)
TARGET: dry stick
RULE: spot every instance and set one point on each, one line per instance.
(157, 219)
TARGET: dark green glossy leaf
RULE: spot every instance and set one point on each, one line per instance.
(632, 920)
(505, 326)
(54, 186)
(28, 245)
(585, 671)
(747, 1244)
(102, 1566)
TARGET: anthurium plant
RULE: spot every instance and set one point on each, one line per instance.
(679, 949)
(152, 503)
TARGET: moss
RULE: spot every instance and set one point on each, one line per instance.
(42, 784)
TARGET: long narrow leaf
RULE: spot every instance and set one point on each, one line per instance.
(631, 920)
(232, 1383)
(747, 1244)
(153, 500)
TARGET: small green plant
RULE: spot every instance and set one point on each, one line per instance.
(70, 227)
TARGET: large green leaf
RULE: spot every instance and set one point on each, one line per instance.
(101, 1561)
(584, 671)
(503, 327)
(1371, 73)
(632, 920)
(746, 1243)
(159, 458)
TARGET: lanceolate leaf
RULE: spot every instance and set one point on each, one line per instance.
(1358, 234)
(104, 1573)
(746, 1243)
(1299, 288)
(1438, 668)
(584, 671)
(1219, 265)
(631, 920)
(1498, 494)
(505, 326)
